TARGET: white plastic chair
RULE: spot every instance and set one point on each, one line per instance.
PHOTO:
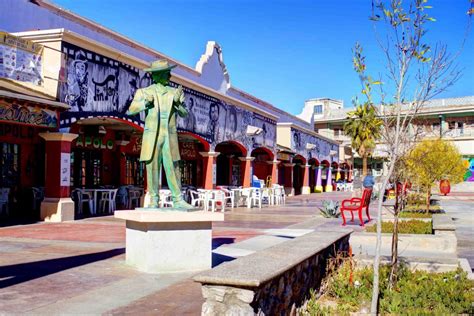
(108, 198)
(198, 199)
(255, 197)
(219, 198)
(229, 195)
(165, 198)
(134, 196)
(88, 197)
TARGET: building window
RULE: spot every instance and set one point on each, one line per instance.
(87, 169)
(134, 171)
(318, 109)
(10, 165)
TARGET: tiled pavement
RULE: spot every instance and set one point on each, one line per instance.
(78, 267)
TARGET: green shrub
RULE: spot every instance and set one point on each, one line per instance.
(405, 227)
(416, 293)
(330, 209)
(421, 208)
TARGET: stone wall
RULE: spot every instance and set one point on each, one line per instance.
(275, 281)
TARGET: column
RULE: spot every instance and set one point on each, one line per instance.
(319, 186)
(57, 205)
(289, 190)
(338, 174)
(209, 165)
(246, 171)
(329, 180)
(306, 189)
(274, 173)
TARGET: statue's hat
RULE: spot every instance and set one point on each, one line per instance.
(159, 65)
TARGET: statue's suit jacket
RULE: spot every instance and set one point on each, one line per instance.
(163, 101)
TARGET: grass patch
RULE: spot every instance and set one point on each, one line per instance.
(405, 214)
(416, 293)
(405, 227)
(420, 208)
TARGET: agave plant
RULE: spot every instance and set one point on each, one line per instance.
(330, 209)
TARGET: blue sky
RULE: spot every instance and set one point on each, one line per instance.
(282, 51)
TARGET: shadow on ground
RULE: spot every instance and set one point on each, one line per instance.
(23, 272)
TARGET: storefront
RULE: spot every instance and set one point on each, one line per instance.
(22, 152)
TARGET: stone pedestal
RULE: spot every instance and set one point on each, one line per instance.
(57, 209)
(169, 241)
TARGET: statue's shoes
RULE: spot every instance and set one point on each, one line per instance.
(183, 205)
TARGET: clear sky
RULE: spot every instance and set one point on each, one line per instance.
(282, 51)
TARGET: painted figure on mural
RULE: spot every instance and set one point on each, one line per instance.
(161, 104)
(133, 90)
(78, 83)
(191, 119)
(213, 127)
(231, 128)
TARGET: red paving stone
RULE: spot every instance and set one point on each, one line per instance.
(86, 231)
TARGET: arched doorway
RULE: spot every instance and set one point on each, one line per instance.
(262, 164)
(106, 153)
(313, 173)
(229, 166)
(191, 164)
(298, 173)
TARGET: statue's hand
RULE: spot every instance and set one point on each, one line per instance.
(179, 95)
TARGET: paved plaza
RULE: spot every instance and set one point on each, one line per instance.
(79, 267)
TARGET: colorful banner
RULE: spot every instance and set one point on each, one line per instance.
(28, 115)
(20, 59)
(469, 175)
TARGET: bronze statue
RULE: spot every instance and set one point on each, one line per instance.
(161, 103)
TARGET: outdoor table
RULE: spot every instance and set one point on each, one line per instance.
(94, 191)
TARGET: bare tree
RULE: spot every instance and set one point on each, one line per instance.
(415, 73)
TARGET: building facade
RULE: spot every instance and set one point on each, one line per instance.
(229, 137)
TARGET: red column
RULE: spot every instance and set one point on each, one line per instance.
(306, 189)
(246, 171)
(274, 173)
(209, 165)
(57, 205)
(289, 179)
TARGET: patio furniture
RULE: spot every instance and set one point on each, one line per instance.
(198, 199)
(165, 198)
(229, 195)
(88, 198)
(357, 205)
(134, 196)
(4, 201)
(108, 199)
(255, 197)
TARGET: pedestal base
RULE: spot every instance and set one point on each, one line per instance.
(57, 210)
(329, 188)
(318, 189)
(163, 242)
(305, 190)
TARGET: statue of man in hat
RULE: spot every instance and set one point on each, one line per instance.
(161, 103)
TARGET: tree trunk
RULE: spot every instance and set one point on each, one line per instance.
(394, 261)
(428, 196)
(364, 165)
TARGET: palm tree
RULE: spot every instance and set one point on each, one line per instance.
(363, 127)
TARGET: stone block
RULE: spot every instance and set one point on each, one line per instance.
(57, 210)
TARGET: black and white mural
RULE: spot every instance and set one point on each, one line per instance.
(94, 85)
(217, 121)
(310, 146)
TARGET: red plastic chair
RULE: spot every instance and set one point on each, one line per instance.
(357, 205)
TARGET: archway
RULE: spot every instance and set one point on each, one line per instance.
(95, 151)
(229, 167)
(192, 162)
(262, 164)
(298, 173)
(313, 173)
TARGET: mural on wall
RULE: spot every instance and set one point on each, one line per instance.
(95, 85)
(217, 121)
(469, 175)
(318, 148)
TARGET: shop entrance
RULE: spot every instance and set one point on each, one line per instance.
(298, 173)
(229, 167)
(262, 164)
